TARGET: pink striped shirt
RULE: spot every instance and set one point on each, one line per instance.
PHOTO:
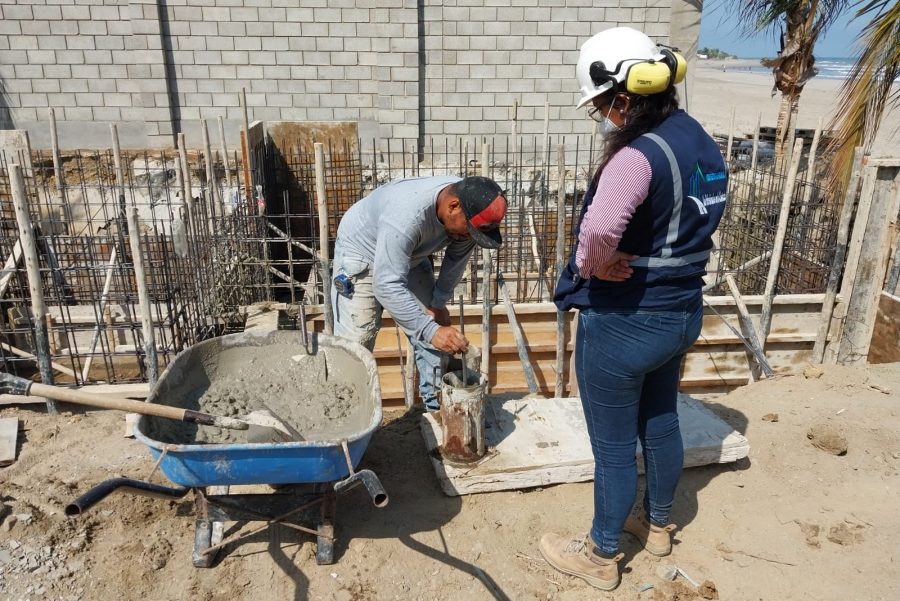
(623, 186)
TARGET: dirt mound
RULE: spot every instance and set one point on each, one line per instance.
(789, 522)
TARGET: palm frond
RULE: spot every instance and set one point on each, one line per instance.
(867, 91)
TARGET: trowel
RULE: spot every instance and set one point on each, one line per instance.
(263, 424)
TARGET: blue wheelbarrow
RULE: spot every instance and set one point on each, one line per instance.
(304, 476)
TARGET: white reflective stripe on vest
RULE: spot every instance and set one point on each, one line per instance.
(666, 259)
(671, 261)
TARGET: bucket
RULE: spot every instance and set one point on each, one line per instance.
(462, 417)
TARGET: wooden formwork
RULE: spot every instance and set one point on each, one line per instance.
(717, 362)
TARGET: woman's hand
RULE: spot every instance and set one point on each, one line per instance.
(617, 268)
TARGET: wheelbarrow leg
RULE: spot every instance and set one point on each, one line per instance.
(325, 539)
(207, 532)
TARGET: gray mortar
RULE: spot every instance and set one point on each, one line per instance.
(324, 395)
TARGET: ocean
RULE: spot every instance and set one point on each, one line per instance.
(829, 67)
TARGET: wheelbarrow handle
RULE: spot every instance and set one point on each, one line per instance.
(20, 386)
(368, 479)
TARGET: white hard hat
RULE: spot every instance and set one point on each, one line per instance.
(617, 49)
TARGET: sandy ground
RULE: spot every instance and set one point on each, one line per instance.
(715, 92)
(790, 522)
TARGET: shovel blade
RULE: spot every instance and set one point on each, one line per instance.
(266, 427)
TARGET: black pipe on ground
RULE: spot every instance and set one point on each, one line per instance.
(137, 487)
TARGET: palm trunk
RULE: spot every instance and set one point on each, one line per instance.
(787, 114)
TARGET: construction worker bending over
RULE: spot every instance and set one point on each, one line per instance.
(382, 260)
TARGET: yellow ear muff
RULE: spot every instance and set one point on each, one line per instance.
(680, 67)
(647, 78)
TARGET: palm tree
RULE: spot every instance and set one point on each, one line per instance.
(801, 22)
(869, 89)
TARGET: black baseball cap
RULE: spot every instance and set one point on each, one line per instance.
(484, 206)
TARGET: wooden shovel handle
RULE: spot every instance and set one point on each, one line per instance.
(184, 415)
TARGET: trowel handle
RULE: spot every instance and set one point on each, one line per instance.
(176, 413)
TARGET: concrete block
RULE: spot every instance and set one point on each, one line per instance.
(355, 15)
(291, 86)
(203, 28)
(288, 57)
(329, 44)
(513, 42)
(231, 28)
(485, 71)
(79, 42)
(248, 42)
(342, 29)
(192, 42)
(521, 85)
(41, 57)
(275, 72)
(320, 114)
(286, 29)
(102, 84)
(45, 13)
(262, 57)
(14, 12)
(105, 13)
(457, 13)
(210, 86)
(262, 28)
(513, 14)
(299, 15)
(222, 71)
(45, 86)
(617, 15)
(470, 57)
(327, 15)
(216, 13)
(331, 71)
(116, 99)
(314, 29)
(482, 99)
(244, 13)
(109, 42)
(523, 57)
(225, 100)
(98, 57)
(35, 27)
(31, 42)
(497, 57)
(537, 43)
(61, 100)
(307, 72)
(234, 57)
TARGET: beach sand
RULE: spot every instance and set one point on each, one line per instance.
(713, 93)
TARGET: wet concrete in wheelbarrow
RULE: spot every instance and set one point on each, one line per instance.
(318, 394)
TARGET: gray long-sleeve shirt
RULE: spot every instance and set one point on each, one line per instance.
(394, 228)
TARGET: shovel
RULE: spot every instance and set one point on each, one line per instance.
(264, 425)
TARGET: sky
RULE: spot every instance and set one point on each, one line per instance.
(719, 29)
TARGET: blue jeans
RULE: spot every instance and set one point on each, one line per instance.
(358, 318)
(628, 365)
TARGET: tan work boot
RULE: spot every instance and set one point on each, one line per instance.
(576, 557)
(655, 539)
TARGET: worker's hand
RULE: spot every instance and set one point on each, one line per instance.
(617, 268)
(449, 340)
(441, 316)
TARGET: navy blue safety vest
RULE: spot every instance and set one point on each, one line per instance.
(671, 231)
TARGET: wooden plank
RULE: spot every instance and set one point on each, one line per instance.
(873, 262)
(536, 442)
(885, 346)
(9, 434)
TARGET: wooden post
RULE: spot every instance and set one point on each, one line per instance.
(487, 260)
(210, 175)
(862, 305)
(32, 268)
(765, 318)
(747, 329)
(527, 368)
(560, 262)
(840, 256)
(730, 138)
(324, 251)
(245, 152)
(57, 160)
(140, 278)
(225, 160)
(117, 160)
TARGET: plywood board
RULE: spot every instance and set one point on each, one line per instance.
(885, 347)
(536, 442)
(9, 433)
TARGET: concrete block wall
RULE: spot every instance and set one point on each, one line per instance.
(402, 68)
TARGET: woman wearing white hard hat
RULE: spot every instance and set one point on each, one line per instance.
(643, 240)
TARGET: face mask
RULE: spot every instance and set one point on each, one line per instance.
(607, 126)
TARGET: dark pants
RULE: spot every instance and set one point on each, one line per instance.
(628, 366)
